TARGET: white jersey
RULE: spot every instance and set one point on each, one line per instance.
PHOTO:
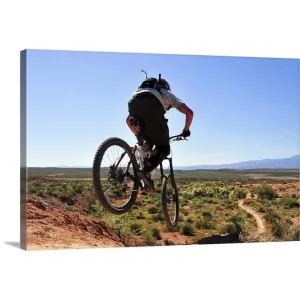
(166, 98)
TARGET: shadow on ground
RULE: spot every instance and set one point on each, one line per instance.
(220, 239)
(13, 244)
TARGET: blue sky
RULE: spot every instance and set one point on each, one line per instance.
(244, 108)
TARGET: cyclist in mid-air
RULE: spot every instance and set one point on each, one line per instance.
(149, 104)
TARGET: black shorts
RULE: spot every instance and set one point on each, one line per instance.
(148, 108)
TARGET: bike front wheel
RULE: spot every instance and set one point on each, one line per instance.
(170, 201)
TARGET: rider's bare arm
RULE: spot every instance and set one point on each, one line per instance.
(131, 127)
(183, 108)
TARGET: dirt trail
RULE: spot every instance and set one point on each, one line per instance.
(259, 221)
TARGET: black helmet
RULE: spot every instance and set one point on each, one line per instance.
(149, 83)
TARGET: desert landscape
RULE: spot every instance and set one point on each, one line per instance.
(216, 206)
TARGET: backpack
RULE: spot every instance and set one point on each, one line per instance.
(149, 83)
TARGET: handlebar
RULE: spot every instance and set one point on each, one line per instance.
(179, 137)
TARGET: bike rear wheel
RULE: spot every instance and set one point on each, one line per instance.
(112, 191)
(170, 201)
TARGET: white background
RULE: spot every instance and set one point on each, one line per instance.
(235, 28)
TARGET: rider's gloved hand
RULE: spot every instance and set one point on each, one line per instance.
(185, 133)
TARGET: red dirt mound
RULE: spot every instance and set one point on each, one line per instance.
(53, 226)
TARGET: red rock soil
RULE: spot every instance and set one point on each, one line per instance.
(51, 225)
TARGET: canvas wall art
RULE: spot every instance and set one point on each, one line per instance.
(140, 150)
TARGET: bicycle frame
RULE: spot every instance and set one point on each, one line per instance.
(173, 138)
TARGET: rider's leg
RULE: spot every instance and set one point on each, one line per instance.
(148, 108)
(154, 161)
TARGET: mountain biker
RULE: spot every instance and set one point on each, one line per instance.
(149, 104)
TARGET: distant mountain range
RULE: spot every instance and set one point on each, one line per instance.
(283, 163)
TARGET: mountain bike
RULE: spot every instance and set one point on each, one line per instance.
(116, 182)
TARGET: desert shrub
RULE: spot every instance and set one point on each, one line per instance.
(229, 203)
(203, 191)
(207, 214)
(136, 228)
(41, 193)
(56, 192)
(229, 228)
(272, 216)
(78, 188)
(209, 192)
(158, 217)
(198, 192)
(206, 200)
(155, 233)
(32, 189)
(67, 198)
(152, 210)
(205, 224)
(239, 193)
(266, 192)
(198, 224)
(291, 203)
(211, 201)
(185, 202)
(140, 215)
(188, 196)
(189, 220)
(279, 229)
(187, 229)
(198, 203)
(185, 212)
(261, 209)
(239, 223)
(91, 201)
(97, 210)
(224, 192)
(50, 190)
(150, 240)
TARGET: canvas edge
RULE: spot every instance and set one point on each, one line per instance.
(23, 163)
